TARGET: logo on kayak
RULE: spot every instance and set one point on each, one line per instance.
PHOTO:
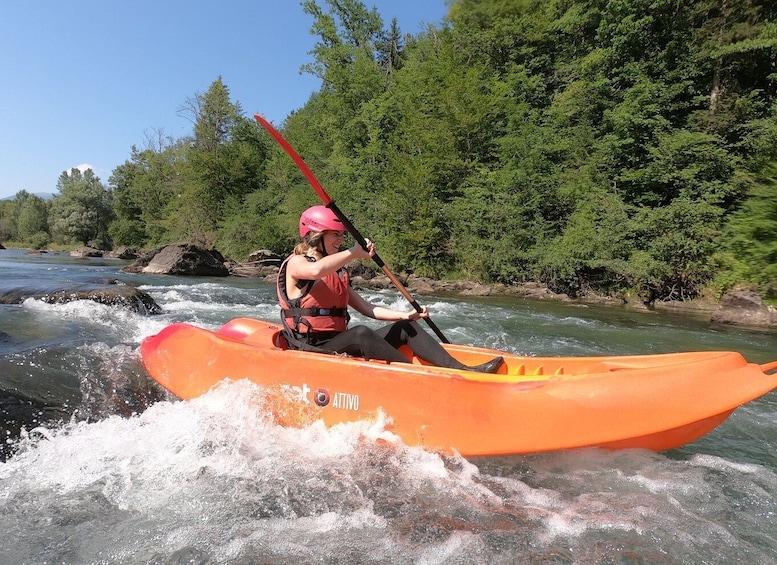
(322, 397)
(346, 401)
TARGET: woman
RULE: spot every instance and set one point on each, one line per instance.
(314, 292)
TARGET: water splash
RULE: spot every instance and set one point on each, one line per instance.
(217, 479)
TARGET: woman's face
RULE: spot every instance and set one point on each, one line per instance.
(333, 240)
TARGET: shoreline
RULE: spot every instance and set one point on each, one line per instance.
(738, 307)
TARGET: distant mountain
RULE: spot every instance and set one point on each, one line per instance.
(41, 195)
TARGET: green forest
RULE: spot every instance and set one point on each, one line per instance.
(608, 146)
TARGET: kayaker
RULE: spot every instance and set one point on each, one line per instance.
(314, 292)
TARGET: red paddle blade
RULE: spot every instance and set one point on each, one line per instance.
(295, 157)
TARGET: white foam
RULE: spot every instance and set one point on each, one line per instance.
(107, 322)
(226, 430)
(714, 462)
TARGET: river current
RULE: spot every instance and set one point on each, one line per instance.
(101, 466)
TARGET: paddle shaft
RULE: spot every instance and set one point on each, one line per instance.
(329, 203)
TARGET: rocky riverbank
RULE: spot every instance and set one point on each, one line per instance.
(739, 307)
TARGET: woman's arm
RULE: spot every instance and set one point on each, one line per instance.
(300, 269)
(380, 313)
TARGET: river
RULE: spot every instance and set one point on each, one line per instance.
(101, 466)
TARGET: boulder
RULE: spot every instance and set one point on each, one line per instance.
(142, 261)
(111, 294)
(420, 285)
(86, 252)
(261, 263)
(123, 253)
(265, 257)
(252, 269)
(362, 270)
(377, 282)
(744, 308)
(478, 290)
(186, 259)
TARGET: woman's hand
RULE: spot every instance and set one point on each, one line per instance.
(359, 251)
(424, 313)
(380, 313)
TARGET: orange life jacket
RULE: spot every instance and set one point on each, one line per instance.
(322, 306)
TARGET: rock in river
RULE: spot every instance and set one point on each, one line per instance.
(181, 259)
(111, 294)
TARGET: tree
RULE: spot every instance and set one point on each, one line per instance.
(673, 247)
(226, 159)
(348, 55)
(391, 49)
(213, 115)
(143, 186)
(7, 226)
(82, 210)
(128, 227)
(736, 44)
(588, 144)
(32, 221)
(750, 247)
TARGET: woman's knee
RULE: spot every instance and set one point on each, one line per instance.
(400, 332)
(374, 346)
(361, 333)
(406, 326)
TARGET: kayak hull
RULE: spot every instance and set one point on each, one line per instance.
(532, 405)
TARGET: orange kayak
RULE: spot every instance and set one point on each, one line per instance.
(532, 405)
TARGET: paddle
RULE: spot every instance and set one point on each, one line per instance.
(329, 203)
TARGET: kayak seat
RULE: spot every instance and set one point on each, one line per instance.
(410, 354)
(279, 341)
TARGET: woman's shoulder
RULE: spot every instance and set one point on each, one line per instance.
(295, 262)
(298, 258)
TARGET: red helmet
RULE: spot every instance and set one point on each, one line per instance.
(317, 219)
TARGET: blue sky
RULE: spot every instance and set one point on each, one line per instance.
(84, 80)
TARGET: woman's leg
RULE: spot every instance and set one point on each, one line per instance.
(427, 348)
(424, 345)
(361, 341)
